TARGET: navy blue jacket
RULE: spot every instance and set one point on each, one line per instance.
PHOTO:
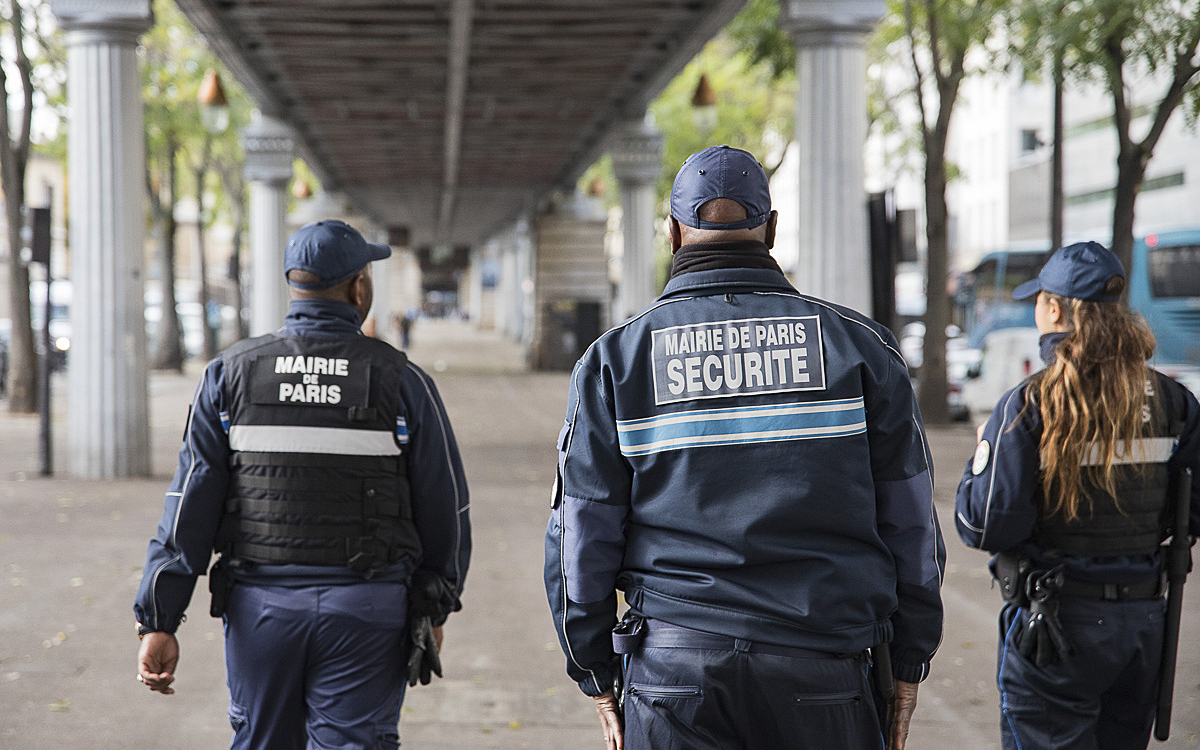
(1000, 494)
(744, 460)
(195, 500)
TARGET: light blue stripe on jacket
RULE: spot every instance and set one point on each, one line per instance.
(746, 424)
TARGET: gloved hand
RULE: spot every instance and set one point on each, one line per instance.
(431, 595)
(424, 659)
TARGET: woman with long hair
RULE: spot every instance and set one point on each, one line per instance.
(1072, 486)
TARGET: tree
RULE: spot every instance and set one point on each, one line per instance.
(942, 35)
(22, 21)
(1115, 42)
(174, 61)
(754, 81)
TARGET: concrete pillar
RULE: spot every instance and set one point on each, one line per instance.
(269, 148)
(831, 69)
(109, 426)
(637, 163)
(381, 303)
(475, 286)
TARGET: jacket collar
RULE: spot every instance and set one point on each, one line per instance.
(309, 317)
(734, 279)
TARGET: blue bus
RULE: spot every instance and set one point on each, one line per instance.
(1164, 287)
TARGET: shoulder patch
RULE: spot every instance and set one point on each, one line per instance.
(983, 453)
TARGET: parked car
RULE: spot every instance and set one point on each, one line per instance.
(1007, 356)
(958, 359)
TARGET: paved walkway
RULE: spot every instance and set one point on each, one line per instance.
(71, 555)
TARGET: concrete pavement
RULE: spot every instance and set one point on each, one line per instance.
(71, 555)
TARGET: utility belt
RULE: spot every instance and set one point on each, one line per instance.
(636, 632)
(1018, 579)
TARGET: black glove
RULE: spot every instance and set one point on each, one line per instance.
(424, 659)
(430, 595)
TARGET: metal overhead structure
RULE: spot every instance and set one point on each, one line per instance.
(450, 117)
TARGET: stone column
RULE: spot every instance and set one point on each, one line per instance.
(269, 145)
(381, 303)
(831, 129)
(109, 425)
(637, 163)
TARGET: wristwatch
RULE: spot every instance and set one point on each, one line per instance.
(142, 630)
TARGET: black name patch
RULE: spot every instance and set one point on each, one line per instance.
(310, 380)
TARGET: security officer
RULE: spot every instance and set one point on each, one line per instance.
(1070, 485)
(321, 466)
(747, 464)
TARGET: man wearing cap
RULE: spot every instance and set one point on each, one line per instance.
(320, 465)
(747, 464)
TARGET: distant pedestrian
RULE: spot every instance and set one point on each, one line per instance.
(406, 323)
(1070, 486)
(748, 465)
(320, 465)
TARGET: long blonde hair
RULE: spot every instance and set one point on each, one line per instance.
(1092, 399)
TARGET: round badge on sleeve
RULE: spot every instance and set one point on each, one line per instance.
(983, 452)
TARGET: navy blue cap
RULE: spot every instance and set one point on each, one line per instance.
(1079, 271)
(332, 250)
(721, 172)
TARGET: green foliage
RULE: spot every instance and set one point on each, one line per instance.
(751, 68)
(174, 59)
(756, 30)
(1147, 34)
(755, 109)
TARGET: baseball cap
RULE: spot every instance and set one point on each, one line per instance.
(332, 250)
(721, 172)
(1079, 271)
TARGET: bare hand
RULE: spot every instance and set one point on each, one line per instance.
(979, 431)
(900, 714)
(157, 659)
(437, 637)
(610, 721)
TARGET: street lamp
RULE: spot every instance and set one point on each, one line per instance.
(704, 105)
(214, 106)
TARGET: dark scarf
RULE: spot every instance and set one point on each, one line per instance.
(1048, 344)
(708, 256)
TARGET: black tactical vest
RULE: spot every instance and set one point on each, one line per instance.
(1135, 522)
(318, 474)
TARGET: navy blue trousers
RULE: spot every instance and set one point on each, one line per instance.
(1100, 698)
(316, 667)
(709, 699)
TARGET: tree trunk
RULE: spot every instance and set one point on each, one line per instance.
(210, 337)
(169, 352)
(22, 358)
(235, 271)
(235, 189)
(932, 398)
(22, 361)
(1056, 158)
(1131, 171)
